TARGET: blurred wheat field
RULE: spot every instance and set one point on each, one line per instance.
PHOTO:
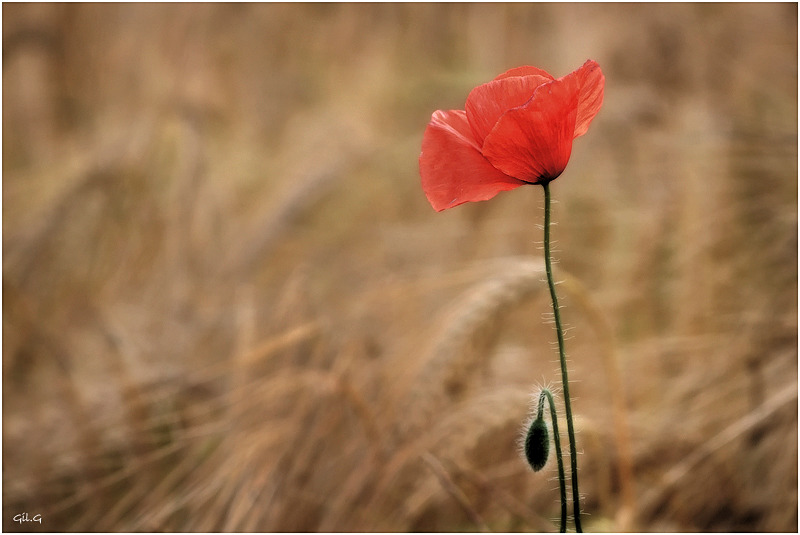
(227, 305)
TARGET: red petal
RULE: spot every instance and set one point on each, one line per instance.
(525, 70)
(592, 83)
(487, 102)
(452, 168)
(534, 142)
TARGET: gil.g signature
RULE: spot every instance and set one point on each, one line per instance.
(23, 517)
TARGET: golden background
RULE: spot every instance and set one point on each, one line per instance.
(227, 305)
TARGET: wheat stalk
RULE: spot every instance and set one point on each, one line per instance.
(450, 364)
(760, 416)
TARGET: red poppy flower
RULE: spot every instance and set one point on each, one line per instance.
(515, 130)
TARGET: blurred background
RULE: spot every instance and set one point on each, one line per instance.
(228, 306)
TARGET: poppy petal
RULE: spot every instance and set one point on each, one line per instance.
(533, 142)
(525, 70)
(592, 84)
(452, 168)
(487, 102)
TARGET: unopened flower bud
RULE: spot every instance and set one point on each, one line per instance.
(537, 444)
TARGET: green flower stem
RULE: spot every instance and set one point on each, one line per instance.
(562, 357)
(562, 480)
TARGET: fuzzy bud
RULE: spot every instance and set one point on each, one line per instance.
(537, 444)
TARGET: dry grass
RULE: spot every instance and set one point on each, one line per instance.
(227, 305)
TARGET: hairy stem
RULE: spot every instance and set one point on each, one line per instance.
(563, 359)
(562, 480)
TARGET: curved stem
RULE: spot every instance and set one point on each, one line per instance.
(562, 480)
(563, 359)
